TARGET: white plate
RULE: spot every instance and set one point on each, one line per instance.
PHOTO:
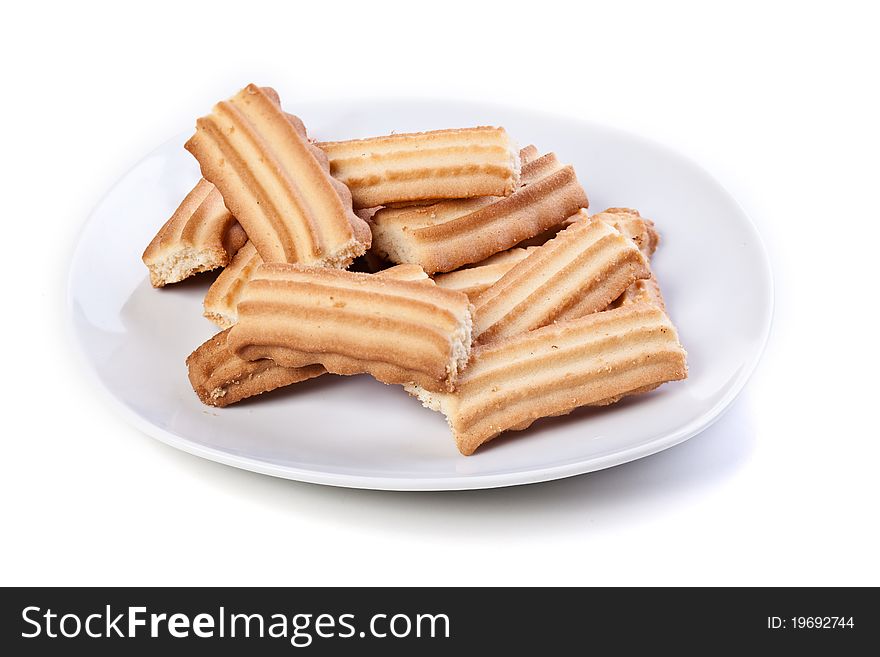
(353, 431)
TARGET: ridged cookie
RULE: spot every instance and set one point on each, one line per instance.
(473, 280)
(276, 183)
(353, 323)
(459, 163)
(201, 235)
(580, 271)
(450, 234)
(221, 300)
(553, 370)
(527, 154)
(221, 378)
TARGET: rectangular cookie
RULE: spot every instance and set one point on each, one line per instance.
(411, 167)
(276, 183)
(221, 378)
(580, 271)
(553, 370)
(353, 323)
(451, 234)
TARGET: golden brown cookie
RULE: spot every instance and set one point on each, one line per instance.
(220, 378)
(458, 163)
(221, 300)
(580, 271)
(353, 323)
(594, 360)
(450, 234)
(474, 279)
(201, 235)
(276, 183)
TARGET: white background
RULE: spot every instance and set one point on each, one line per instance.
(777, 100)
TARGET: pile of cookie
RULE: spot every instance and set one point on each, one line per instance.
(447, 262)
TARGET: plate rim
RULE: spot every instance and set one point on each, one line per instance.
(457, 482)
